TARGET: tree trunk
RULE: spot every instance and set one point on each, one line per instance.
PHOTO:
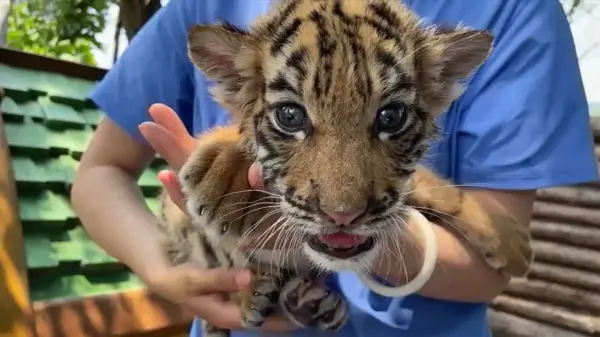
(133, 14)
(4, 12)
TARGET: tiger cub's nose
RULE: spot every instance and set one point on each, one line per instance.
(344, 216)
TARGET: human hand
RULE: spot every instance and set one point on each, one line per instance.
(170, 139)
(204, 291)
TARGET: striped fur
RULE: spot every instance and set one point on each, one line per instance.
(336, 70)
(220, 216)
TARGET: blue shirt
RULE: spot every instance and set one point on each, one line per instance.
(522, 123)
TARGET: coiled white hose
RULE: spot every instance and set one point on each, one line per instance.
(429, 262)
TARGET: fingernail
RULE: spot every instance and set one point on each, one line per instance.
(143, 125)
(242, 279)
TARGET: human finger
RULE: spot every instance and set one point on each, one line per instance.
(168, 118)
(209, 281)
(171, 184)
(221, 313)
(226, 314)
(165, 144)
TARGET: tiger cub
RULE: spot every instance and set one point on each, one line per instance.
(337, 101)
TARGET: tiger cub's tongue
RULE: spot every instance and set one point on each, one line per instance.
(341, 240)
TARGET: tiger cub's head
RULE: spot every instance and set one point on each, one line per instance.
(337, 100)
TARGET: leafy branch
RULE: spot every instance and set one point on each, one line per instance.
(64, 29)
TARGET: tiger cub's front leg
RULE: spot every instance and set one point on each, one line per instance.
(183, 243)
(308, 303)
(504, 243)
(261, 299)
(215, 182)
(221, 203)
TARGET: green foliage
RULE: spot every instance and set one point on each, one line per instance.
(64, 29)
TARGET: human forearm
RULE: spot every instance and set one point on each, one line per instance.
(461, 273)
(113, 212)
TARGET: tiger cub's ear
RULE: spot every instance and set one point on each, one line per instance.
(462, 51)
(447, 56)
(230, 57)
(216, 50)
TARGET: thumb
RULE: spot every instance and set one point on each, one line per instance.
(171, 184)
(210, 281)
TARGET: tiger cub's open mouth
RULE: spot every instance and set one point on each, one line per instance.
(341, 245)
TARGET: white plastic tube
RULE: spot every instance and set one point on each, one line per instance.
(429, 262)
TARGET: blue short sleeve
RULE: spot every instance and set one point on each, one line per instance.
(153, 69)
(523, 122)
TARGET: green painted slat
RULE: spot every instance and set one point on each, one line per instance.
(39, 82)
(9, 107)
(88, 251)
(67, 251)
(149, 183)
(153, 204)
(30, 138)
(27, 171)
(56, 174)
(64, 141)
(13, 111)
(92, 116)
(14, 78)
(53, 84)
(60, 115)
(33, 109)
(70, 141)
(46, 210)
(40, 254)
(81, 139)
(69, 166)
(72, 89)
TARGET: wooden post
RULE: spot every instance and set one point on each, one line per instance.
(15, 308)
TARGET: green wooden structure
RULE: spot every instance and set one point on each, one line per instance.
(47, 122)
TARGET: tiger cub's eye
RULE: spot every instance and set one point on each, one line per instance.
(291, 117)
(390, 118)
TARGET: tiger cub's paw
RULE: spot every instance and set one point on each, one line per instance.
(209, 330)
(260, 300)
(505, 244)
(308, 303)
(515, 244)
(214, 179)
